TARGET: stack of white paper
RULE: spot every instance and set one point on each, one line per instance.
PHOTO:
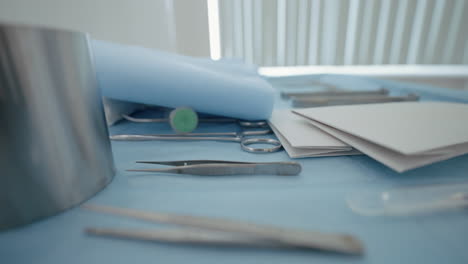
(301, 139)
(403, 135)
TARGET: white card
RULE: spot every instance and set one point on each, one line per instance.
(402, 136)
(300, 134)
(300, 139)
(294, 152)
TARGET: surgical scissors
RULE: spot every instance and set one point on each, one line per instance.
(242, 123)
(241, 137)
(163, 120)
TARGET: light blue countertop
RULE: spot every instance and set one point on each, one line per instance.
(314, 200)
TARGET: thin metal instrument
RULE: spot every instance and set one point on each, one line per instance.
(302, 83)
(333, 93)
(164, 120)
(222, 167)
(241, 137)
(349, 100)
(223, 231)
(243, 123)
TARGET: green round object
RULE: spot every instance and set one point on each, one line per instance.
(183, 120)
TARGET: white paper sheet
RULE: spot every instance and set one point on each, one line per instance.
(301, 139)
(295, 153)
(301, 134)
(402, 136)
(406, 127)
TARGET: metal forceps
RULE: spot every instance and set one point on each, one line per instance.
(241, 137)
(224, 167)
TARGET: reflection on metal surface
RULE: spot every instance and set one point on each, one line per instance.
(55, 151)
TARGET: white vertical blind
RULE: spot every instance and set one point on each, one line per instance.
(329, 36)
(352, 32)
(455, 26)
(383, 36)
(269, 46)
(237, 22)
(248, 29)
(292, 26)
(344, 32)
(367, 27)
(258, 31)
(301, 45)
(314, 31)
(281, 32)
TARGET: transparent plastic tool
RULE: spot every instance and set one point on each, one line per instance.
(403, 201)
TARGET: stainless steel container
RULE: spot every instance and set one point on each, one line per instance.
(54, 146)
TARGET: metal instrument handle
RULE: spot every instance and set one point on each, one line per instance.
(220, 169)
(246, 142)
(172, 137)
(342, 243)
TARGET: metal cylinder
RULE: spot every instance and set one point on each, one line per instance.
(54, 145)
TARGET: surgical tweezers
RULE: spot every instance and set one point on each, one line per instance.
(222, 167)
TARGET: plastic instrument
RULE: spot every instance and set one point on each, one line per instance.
(410, 200)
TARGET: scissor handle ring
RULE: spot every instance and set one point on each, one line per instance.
(276, 145)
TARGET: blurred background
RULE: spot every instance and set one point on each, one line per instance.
(412, 40)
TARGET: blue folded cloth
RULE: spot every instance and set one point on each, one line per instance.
(146, 76)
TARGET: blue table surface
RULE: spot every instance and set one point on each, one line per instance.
(313, 200)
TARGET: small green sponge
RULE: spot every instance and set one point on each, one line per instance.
(183, 120)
